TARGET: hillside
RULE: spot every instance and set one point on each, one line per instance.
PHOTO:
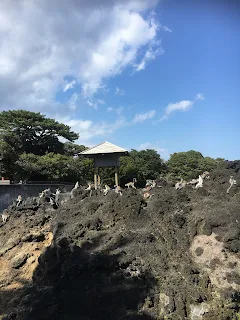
(111, 257)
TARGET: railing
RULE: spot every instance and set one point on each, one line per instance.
(9, 193)
(44, 182)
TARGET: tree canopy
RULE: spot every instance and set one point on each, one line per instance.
(189, 164)
(26, 132)
(53, 167)
(32, 132)
(72, 149)
(144, 164)
(32, 147)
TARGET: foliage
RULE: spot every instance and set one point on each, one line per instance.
(207, 164)
(8, 156)
(31, 132)
(31, 147)
(53, 167)
(144, 164)
(26, 166)
(71, 149)
(220, 160)
(107, 175)
(24, 132)
(190, 164)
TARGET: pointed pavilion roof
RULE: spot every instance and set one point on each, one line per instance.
(103, 148)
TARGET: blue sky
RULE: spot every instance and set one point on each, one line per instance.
(140, 74)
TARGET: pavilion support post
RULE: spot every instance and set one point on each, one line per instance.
(116, 176)
(98, 179)
(95, 177)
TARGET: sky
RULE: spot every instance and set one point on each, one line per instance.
(158, 74)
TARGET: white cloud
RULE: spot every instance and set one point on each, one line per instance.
(73, 101)
(100, 101)
(69, 85)
(156, 146)
(93, 130)
(144, 116)
(165, 28)
(33, 67)
(183, 105)
(119, 92)
(92, 104)
(118, 111)
(200, 96)
(88, 129)
(151, 53)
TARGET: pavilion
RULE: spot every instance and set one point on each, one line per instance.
(105, 154)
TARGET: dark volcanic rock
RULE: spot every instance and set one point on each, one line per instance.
(118, 257)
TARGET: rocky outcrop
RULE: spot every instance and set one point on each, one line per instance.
(175, 256)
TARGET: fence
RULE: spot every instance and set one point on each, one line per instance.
(8, 193)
